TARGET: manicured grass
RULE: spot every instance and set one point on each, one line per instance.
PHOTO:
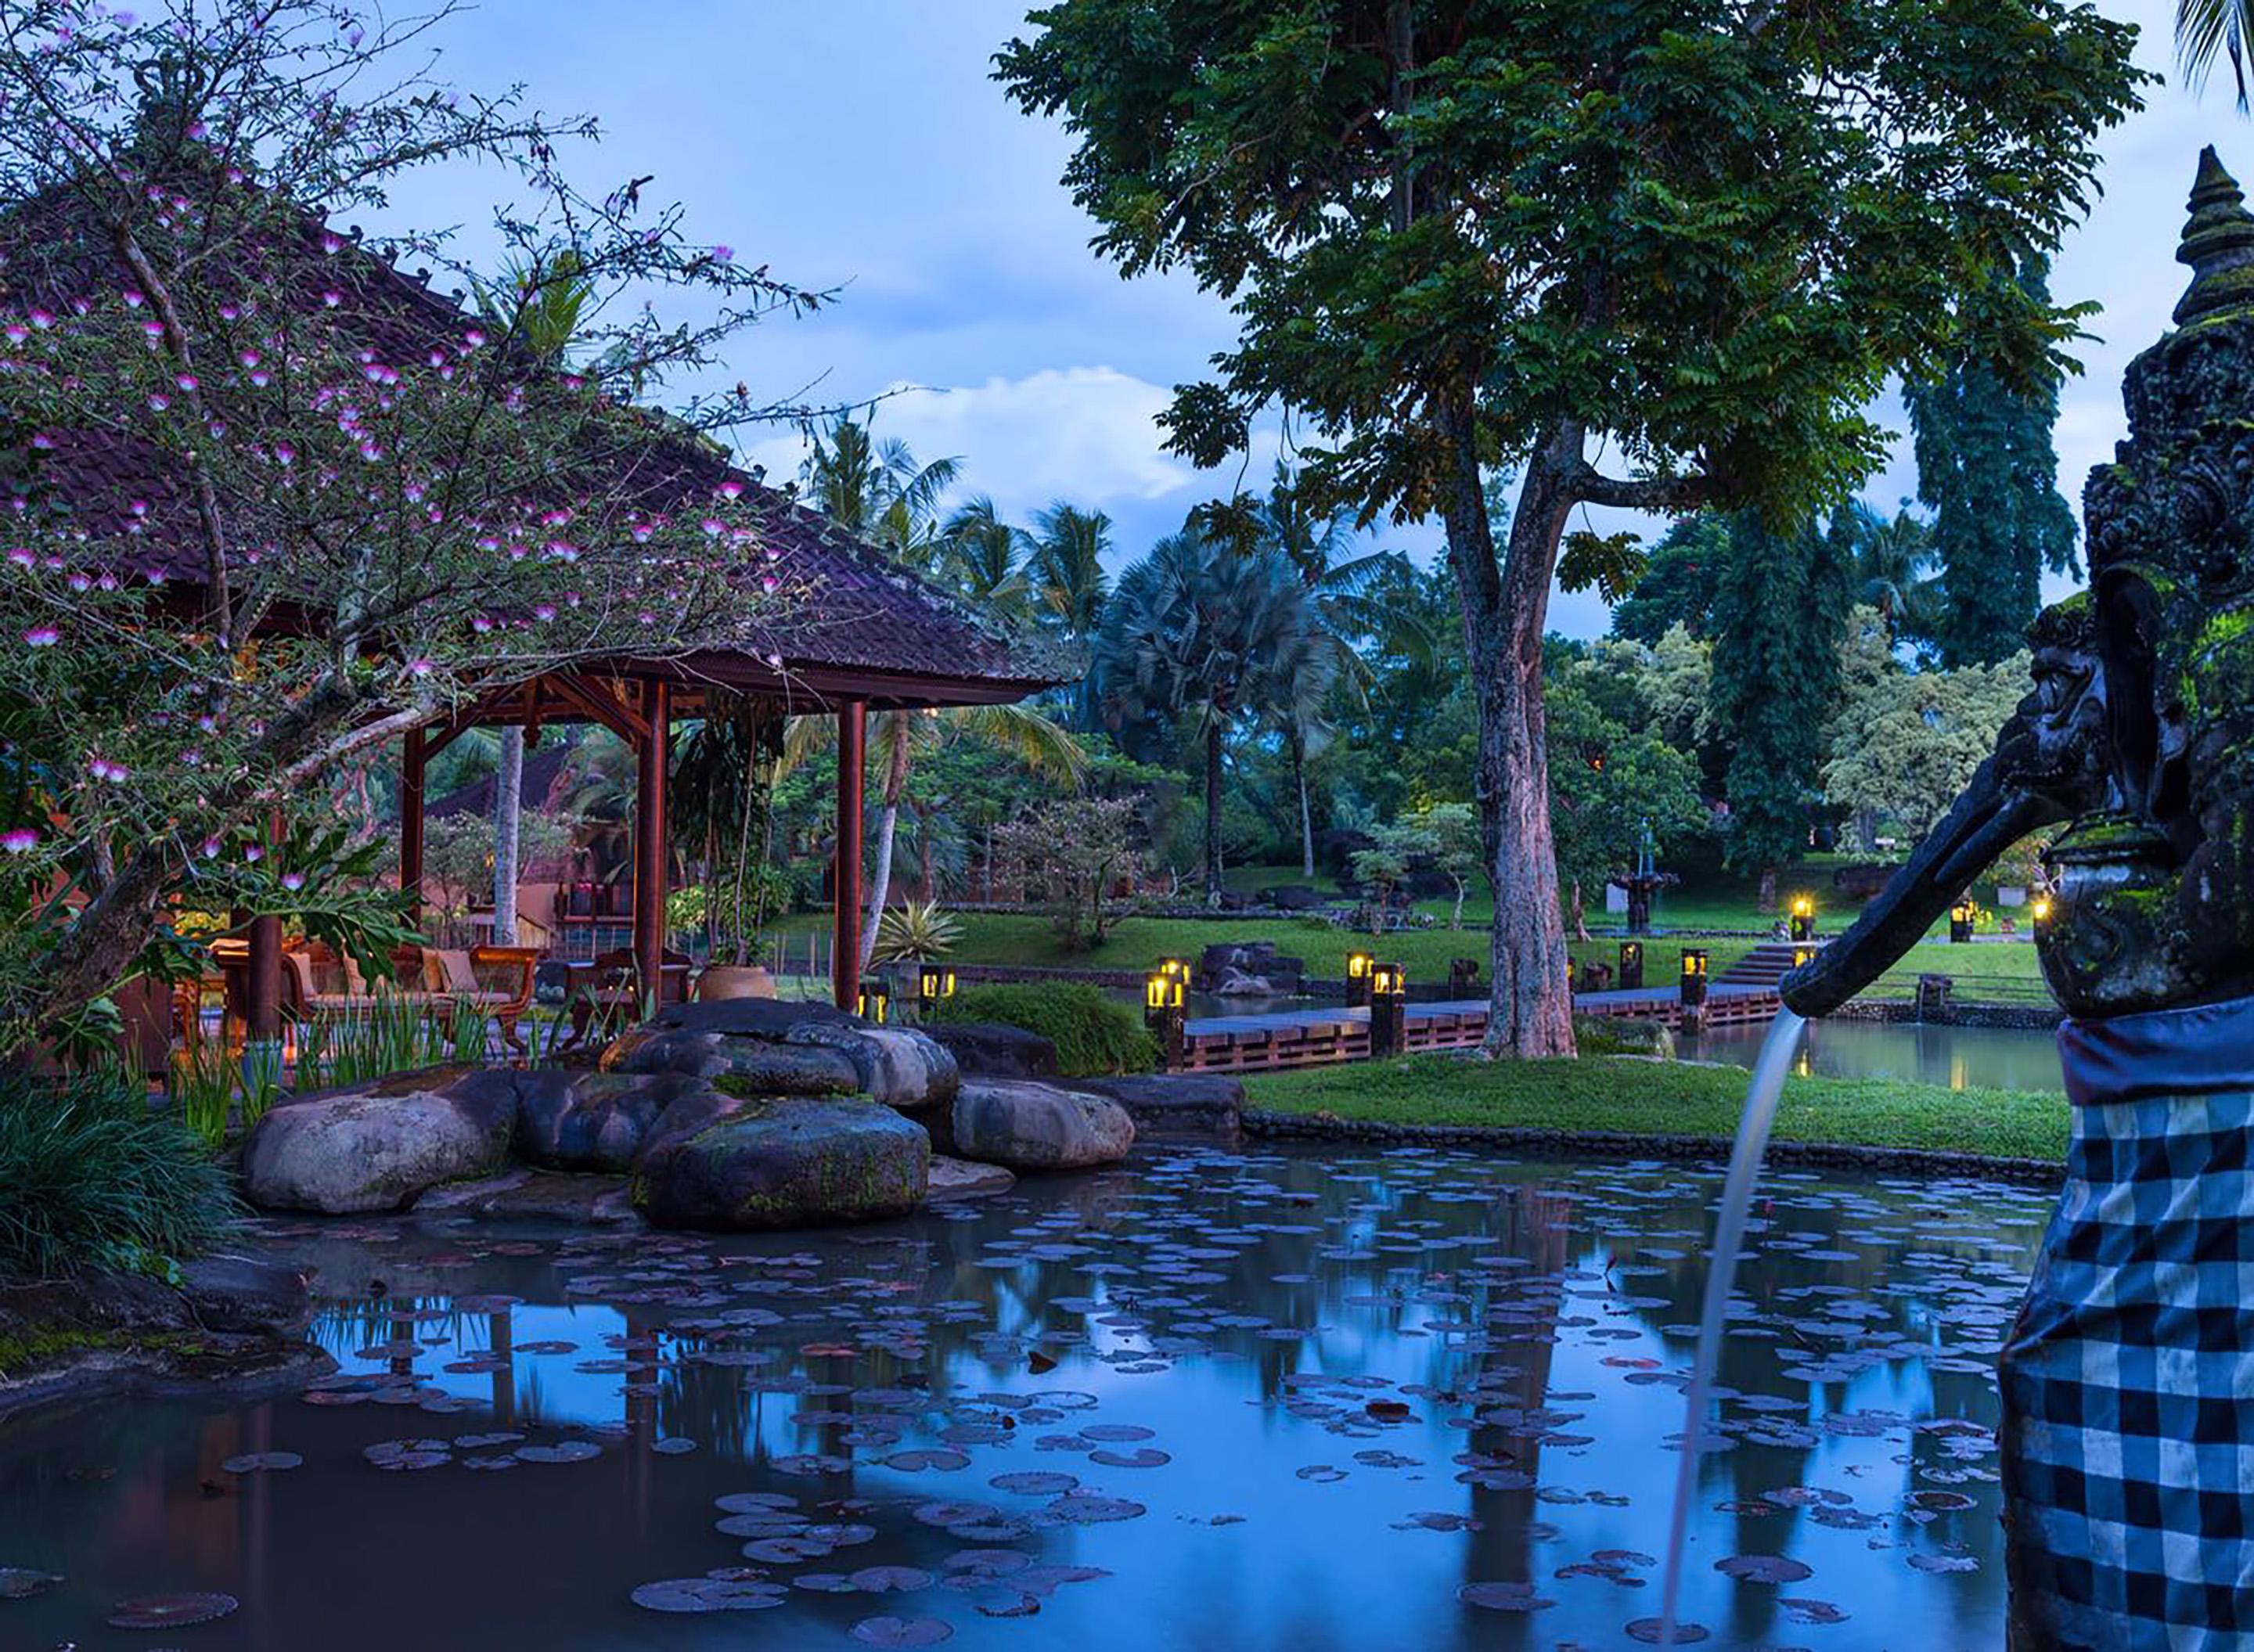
(1670, 1098)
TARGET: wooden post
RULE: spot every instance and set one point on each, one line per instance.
(845, 934)
(410, 824)
(649, 845)
(263, 1023)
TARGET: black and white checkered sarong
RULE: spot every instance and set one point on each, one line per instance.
(2128, 1382)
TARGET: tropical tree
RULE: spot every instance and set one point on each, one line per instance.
(983, 557)
(1987, 465)
(1069, 545)
(1198, 635)
(1461, 234)
(1021, 733)
(2208, 28)
(1905, 744)
(878, 489)
(1891, 572)
(1783, 606)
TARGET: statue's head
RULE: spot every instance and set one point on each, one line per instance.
(2140, 729)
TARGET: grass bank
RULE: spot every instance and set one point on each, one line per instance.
(1671, 1098)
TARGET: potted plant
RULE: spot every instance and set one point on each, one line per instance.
(721, 786)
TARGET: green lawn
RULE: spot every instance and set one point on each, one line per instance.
(1669, 1098)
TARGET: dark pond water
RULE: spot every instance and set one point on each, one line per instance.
(1377, 1400)
(1958, 1057)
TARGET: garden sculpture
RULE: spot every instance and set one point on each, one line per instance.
(2127, 1430)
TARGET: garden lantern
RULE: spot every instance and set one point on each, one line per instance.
(2039, 908)
(932, 984)
(1960, 921)
(875, 1002)
(1164, 993)
(1694, 987)
(1803, 918)
(1389, 1009)
(1631, 965)
(1358, 966)
(1803, 956)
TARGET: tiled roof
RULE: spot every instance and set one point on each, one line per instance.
(863, 614)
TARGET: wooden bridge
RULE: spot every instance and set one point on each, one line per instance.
(1744, 995)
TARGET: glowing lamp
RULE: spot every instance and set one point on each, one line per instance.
(1631, 964)
(1388, 980)
(1960, 919)
(1804, 917)
(933, 982)
(875, 1002)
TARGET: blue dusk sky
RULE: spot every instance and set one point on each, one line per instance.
(861, 144)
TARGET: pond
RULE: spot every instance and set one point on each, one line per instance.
(1956, 1057)
(1370, 1399)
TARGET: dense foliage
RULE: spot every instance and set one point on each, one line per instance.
(94, 1179)
(1094, 1033)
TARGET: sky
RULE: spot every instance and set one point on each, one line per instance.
(860, 144)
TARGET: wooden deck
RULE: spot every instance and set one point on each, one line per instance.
(1311, 1037)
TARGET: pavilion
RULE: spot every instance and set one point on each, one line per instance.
(868, 634)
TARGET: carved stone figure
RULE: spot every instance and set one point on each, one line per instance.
(2129, 1516)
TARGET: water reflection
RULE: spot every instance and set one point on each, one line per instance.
(1958, 1057)
(1403, 1399)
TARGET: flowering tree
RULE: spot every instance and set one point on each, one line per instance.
(271, 502)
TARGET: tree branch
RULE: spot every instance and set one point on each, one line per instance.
(1650, 493)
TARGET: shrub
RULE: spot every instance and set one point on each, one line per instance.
(94, 1179)
(1094, 1035)
(1605, 1035)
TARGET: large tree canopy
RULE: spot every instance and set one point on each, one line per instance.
(1648, 253)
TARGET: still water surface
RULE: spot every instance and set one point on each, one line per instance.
(1406, 1399)
(1954, 1057)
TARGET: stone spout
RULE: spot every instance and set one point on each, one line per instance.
(1988, 818)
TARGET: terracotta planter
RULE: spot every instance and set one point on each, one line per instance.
(735, 981)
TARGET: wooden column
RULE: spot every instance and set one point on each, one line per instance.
(649, 844)
(410, 824)
(852, 755)
(263, 1016)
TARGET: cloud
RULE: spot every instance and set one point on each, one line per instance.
(1088, 434)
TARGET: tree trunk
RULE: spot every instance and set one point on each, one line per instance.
(1212, 814)
(1768, 889)
(896, 782)
(508, 813)
(1306, 816)
(1580, 919)
(1866, 829)
(1530, 1006)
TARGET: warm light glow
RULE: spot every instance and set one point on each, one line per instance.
(874, 1003)
(1154, 991)
(1694, 963)
(1803, 906)
(2042, 908)
(1388, 980)
(933, 982)
(1357, 965)
(1803, 956)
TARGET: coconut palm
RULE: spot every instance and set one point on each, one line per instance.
(878, 489)
(1017, 732)
(1344, 586)
(1067, 562)
(1197, 633)
(982, 558)
(2206, 28)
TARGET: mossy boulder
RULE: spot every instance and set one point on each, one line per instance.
(734, 1164)
(1032, 1126)
(590, 1121)
(377, 1148)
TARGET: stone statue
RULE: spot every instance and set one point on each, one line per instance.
(2128, 1382)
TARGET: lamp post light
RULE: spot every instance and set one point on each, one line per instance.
(1631, 965)
(1164, 992)
(1803, 918)
(1803, 956)
(1694, 988)
(875, 1002)
(1358, 966)
(2040, 909)
(1960, 921)
(1389, 1009)
(933, 982)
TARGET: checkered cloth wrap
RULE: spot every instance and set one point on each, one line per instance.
(2128, 1382)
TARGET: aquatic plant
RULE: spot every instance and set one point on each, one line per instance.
(96, 1177)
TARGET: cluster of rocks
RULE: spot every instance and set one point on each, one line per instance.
(1249, 968)
(738, 1115)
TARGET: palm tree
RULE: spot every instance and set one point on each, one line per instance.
(1197, 632)
(540, 306)
(982, 558)
(1344, 586)
(1890, 559)
(877, 490)
(1068, 548)
(1018, 731)
(2206, 27)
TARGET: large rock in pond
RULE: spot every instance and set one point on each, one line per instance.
(728, 1164)
(1031, 1126)
(991, 1049)
(1179, 1107)
(777, 1048)
(378, 1147)
(584, 1121)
